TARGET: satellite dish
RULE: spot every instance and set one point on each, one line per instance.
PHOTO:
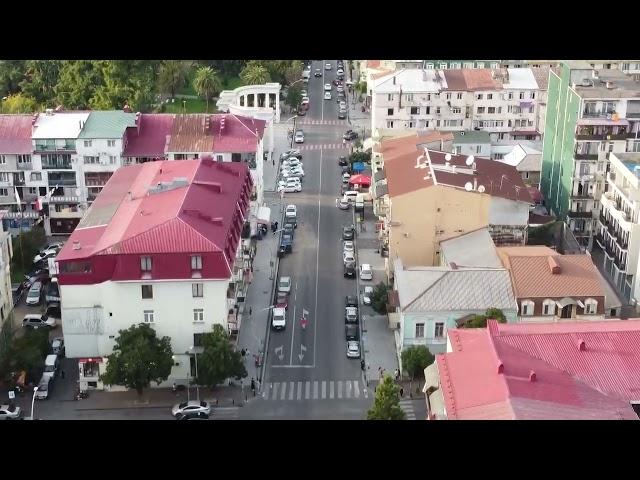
(470, 160)
(481, 189)
(447, 157)
(468, 186)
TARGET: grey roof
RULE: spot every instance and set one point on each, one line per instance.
(624, 86)
(433, 289)
(473, 249)
(379, 175)
(380, 189)
(530, 163)
(471, 136)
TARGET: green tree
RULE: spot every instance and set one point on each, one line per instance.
(379, 298)
(386, 405)
(415, 359)
(11, 74)
(293, 71)
(207, 83)
(125, 82)
(219, 360)
(41, 77)
(294, 97)
(18, 103)
(26, 353)
(77, 83)
(139, 357)
(255, 74)
(172, 76)
(480, 321)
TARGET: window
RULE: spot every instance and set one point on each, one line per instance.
(590, 306)
(389, 123)
(480, 96)
(456, 110)
(489, 96)
(4, 176)
(147, 291)
(390, 97)
(478, 148)
(501, 137)
(24, 158)
(409, 97)
(521, 95)
(443, 66)
(148, 316)
(33, 190)
(494, 65)
(219, 158)
(429, 66)
(428, 98)
(480, 110)
(4, 192)
(112, 159)
(480, 64)
(3, 159)
(548, 307)
(389, 111)
(437, 123)
(491, 109)
(455, 65)
(458, 150)
(91, 160)
(439, 330)
(111, 143)
(459, 95)
(196, 262)
(145, 264)
(415, 110)
(532, 95)
(448, 96)
(197, 290)
(526, 308)
(510, 96)
(468, 64)
(419, 330)
(410, 124)
(438, 110)
(87, 143)
(198, 315)
(427, 110)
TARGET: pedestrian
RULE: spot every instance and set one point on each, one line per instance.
(401, 392)
(62, 374)
(273, 161)
(242, 352)
(250, 309)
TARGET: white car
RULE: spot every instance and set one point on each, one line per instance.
(284, 285)
(340, 88)
(291, 211)
(304, 93)
(305, 100)
(278, 318)
(291, 174)
(365, 272)
(299, 136)
(327, 95)
(327, 66)
(327, 87)
(34, 296)
(52, 252)
(291, 162)
(353, 349)
(340, 71)
(342, 105)
(191, 407)
(10, 412)
(348, 258)
(289, 182)
(347, 246)
(35, 320)
(366, 295)
(290, 188)
(346, 177)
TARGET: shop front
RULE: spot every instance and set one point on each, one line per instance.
(90, 370)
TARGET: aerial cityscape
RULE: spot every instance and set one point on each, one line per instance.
(320, 240)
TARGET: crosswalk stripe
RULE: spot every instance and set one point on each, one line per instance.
(315, 390)
(283, 391)
(339, 388)
(356, 389)
(331, 390)
(348, 389)
(291, 390)
(274, 392)
(299, 395)
(324, 389)
(307, 390)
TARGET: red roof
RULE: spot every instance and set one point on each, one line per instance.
(15, 134)
(573, 370)
(240, 134)
(202, 212)
(471, 79)
(151, 136)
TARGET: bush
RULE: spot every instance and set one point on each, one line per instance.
(415, 359)
(379, 298)
(480, 321)
(364, 157)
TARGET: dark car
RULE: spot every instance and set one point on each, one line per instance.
(317, 73)
(342, 161)
(288, 229)
(350, 135)
(347, 232)
(349, 271)
(352, 332)
(286, 242)
(53, 310)
(52, 292)
(351, 301)
(290, 223)
(342, 114)
(302, 111)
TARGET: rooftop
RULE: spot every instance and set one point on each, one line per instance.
(471, 136)
(470, 79)
(150, 136)
(15, 134)
(191, 133)
(239, 134)
(622, 86)
(107, 124)
(524, 158)
(631, 160)
(471, 249)
(59, 125)
(410, 80)
(520, 79)
(577, 370)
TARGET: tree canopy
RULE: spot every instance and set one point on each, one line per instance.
(386, 405)
(480, 321)
(294, 96)
(415, 359)
(172, 76)
(18, 103)
(255, 74)
(207, 83)
(219, 360)
(139, 357)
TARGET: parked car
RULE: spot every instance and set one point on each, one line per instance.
(289, 224)
(327, 66)
(299, 138)
(52, 291)
(57, 346)
(10, 412)
(290, 162)
(282, 300)
(353, 349)
(348, 258)
(350, 135)
(53, 311)
(34, 296)
(346, 176)
(351, 301)
(342, 161)
(190, 407)
(291, 153)
(45, 254)
(365, 272)
(347, 232)
(193, 416)
(278, 318)
(349, 271)
(317, 73)
(291, 212)
(342, 114)
(352, 332)
(343, 204)
(38, 320)
(51, 364)
(284, 284)
(367, 294)
(289, 182)
(45, 386)
(327, 87)
(350, 315)
(327, 95)
(291, 189)
(286, 244)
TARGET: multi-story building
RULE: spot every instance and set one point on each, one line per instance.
(6, 252)
(590, 114)
(159, 245)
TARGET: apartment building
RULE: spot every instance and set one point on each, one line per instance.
(6, 253)
(591, 114)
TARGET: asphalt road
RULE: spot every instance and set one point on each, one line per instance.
(309, 375)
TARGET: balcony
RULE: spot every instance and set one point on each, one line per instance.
(586, 156)
(24, 166)
(71, 182)
(51, 147)
(58, 162)
(622, 266)
(575, 214)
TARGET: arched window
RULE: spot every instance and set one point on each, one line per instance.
(549, 307)
(526, 308)
(590, 306)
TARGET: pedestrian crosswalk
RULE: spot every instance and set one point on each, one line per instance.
(321, 122)
(323, 146)
(316, 390)
(407, 408)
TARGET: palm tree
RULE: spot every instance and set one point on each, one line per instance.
(254, 74)
(207, 83)
(172, 75)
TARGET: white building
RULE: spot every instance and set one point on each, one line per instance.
(159, 245)
(6, 252)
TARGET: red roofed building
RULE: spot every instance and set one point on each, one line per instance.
(160, 245)
(570, 371)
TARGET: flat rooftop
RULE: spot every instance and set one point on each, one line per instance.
(631, 160)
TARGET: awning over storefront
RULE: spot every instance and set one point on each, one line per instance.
(363, 180)
(565, 301)
(264, 215)
(357, 167)
(431, 378)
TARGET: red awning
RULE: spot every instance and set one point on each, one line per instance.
(360, 180)
(90, 360)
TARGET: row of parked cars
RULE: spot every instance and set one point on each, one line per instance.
(291, 172)
(287, 232)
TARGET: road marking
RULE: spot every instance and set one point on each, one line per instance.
(299, 394)
(324, 389)
(283, 391)
(274, 392)
(291, 389)
(356, 389)
(307, 390)
(315, 311)
(315, 390)
(339, 388)
(331, 390)
(293, 366)
(348, 389)
(293, 334)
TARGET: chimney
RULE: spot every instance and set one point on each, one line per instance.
(500, 368)
(138, 121)
(76, 245)
(532, 376)
(553, 266)
(581, 345)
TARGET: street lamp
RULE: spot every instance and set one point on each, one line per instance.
(33, 400)
(294, 127)
(195, 354)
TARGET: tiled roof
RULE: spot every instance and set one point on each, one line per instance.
(107, 124)
(403, 177)
(533, 277)
(151, 136)
(596, 382)
(205, 215)
(191, 134)
(15, 134)
(470, 80)
(541, 74)
(392, 147)
(240, 134)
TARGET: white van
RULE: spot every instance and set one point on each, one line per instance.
(279, 318)
(51, 364)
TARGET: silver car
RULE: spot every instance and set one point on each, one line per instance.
(35, 294)
(353, 349)
(191, 407)
(10, 412)
(366, 295)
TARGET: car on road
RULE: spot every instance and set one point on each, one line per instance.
(353, 349)
(302, 110)
(10, 412)
(347, 232)
(351, 301)
(304, 101)
(52, 291)
(286, 244)
(346, 176)
(349, 271)
(291, 153)
(278, 318)
(296, 174)
(340, 88)
(45, 387)
(327, 87)
(327, 95)
(342, 104)
(34, 296)
(284, 284)
(289, 223)
(57, 346)
(350, 315)
(291, 211)
(327, 66)
(290, 163)
(191, 407)
(367, 295)
(51, 365)
(193, 416)
(343, 204)
(282, 300)
(348, 258)
(290, 188)
(365, 272)
(304, 93)
(352, 332)
(289, 229)
(299, 138)
(342, 114)
(292, 182)
(350, 135)
(348, 246)
(342, 161)
(53, 311)
(317, 73)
